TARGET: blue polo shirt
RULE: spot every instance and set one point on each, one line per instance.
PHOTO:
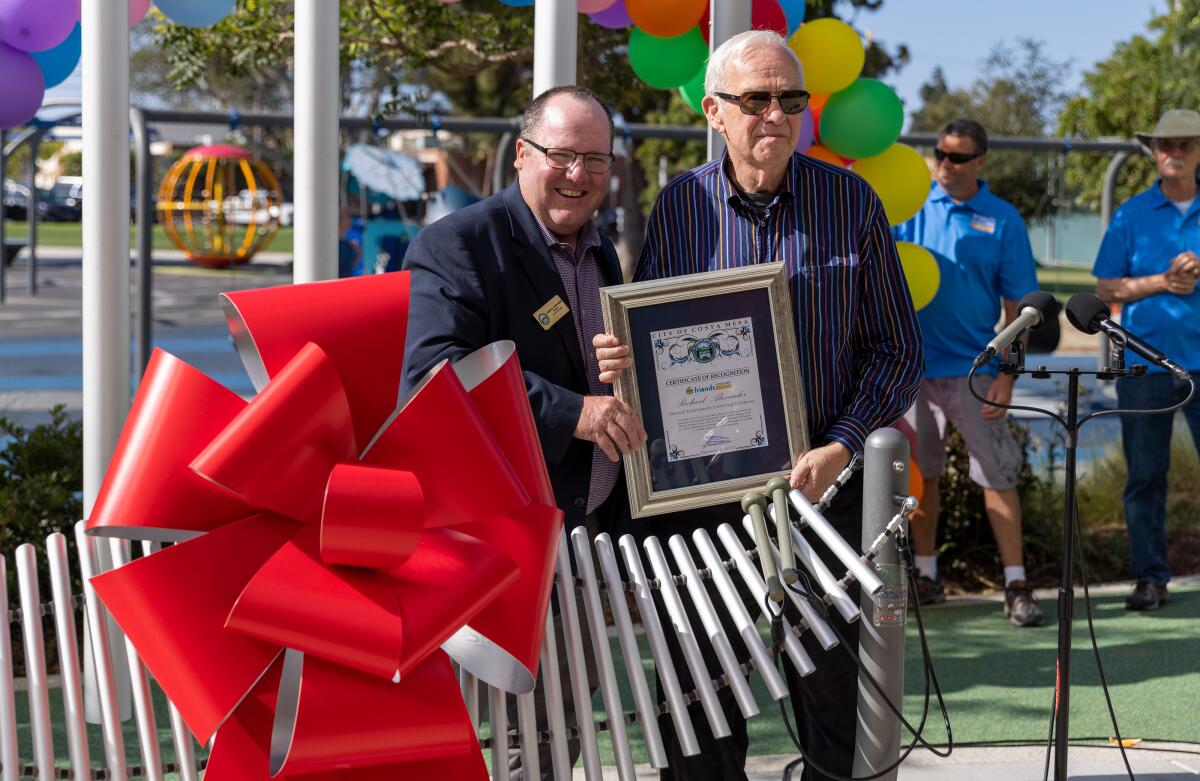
(983, 253)
(1146, 232)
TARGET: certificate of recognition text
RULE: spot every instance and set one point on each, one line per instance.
(708, 388)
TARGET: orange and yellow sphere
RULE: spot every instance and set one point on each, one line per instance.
(219, 205)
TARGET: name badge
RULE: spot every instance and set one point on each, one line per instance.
(984, 224)
(551, 312)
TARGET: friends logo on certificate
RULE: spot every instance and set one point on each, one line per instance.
(708, 388)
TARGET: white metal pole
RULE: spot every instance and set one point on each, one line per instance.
(105, 70)
(727, 18)
(316, 141)
(555, 33)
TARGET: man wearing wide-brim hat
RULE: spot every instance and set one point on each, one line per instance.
(1148, 262)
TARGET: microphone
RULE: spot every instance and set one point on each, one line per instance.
(1090, 315)
(1032, 311)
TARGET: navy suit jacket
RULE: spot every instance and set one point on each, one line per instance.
(478, 276)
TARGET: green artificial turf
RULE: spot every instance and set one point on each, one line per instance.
(997, 681)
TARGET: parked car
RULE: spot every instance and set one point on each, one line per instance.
(16, 200)
(63, 202)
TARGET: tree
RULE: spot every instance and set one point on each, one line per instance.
(1019, 94)
(1128, 92)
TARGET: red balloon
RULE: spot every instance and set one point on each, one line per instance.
(764, 15)
(816, 104)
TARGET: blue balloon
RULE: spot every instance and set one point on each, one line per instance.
(58, 63)
(517, 3)
(196, 13)
(794, 11)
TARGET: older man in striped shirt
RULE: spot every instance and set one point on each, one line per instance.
(859, 343)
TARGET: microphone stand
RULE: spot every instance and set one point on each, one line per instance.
(1066, 590)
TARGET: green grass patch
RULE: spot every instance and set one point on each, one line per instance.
(997, 681)
(70, 234)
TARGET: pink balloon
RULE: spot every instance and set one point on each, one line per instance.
(137, 11)
(807, 132)
(21, 89)
(591, 6)
(615, 17)
(37, 25)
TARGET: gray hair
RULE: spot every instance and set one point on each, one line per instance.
(735, 50)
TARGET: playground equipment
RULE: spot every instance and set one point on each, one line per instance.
(219, 205)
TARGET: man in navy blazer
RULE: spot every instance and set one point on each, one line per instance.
(527, 264)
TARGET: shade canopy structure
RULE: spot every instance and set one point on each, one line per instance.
(393, 174)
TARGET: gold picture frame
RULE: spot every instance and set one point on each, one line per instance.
(715, 367)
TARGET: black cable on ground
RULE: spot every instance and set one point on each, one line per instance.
(807, 592)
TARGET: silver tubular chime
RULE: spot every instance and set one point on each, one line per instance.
(636, 600)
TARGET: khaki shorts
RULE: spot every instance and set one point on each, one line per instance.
(995, 455)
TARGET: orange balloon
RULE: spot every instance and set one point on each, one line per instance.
(816, 104)
(824, 154)
(916, 481)
(665, 18)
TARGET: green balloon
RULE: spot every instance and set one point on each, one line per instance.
(693, 91)
(666, 63)
(862, 120)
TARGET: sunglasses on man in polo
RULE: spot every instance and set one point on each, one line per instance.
(1184, 145)
(958, 158)
(757, 102)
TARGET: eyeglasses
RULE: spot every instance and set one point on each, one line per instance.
(593, 162)
(758, 102)
(958, 158)
(1184, 145)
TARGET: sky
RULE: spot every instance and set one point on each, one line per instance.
(959, 35)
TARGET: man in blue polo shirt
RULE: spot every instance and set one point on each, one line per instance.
(983, 254)
(1148, 262)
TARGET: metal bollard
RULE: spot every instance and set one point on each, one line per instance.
(881, 630)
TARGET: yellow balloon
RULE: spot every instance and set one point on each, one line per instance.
(831, 52)
(901, 179)
(921, 271)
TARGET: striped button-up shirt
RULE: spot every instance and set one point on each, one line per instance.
(580, 275)
(856, 332)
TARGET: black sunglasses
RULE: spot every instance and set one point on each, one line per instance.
(958, 158)
(593, 162)
(757, 102)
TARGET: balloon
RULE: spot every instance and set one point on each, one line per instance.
(921, 272)
(517, 3)
(816, 104)
(666, 62)
(862, 120)
(615, 17)
(916, 481)
(831, 52)
(56, 64)
(137, 11)
(196, 13)
(36, 25)
(900, 178)
(807, 132)
(590, 6)
(818, 152)
(794, 11)
(666, 18)
(764, 15)
(693, 91)
(21, 89)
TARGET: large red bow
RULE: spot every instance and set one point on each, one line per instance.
(335, 551)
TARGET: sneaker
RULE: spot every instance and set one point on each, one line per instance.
(929, 591)
(1021, 606)
(1146, 596)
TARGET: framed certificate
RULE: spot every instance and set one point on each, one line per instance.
(715, 381)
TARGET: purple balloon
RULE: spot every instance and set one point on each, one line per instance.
(21, 89)
(37, 25)
(807, 132)
(615, 17)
